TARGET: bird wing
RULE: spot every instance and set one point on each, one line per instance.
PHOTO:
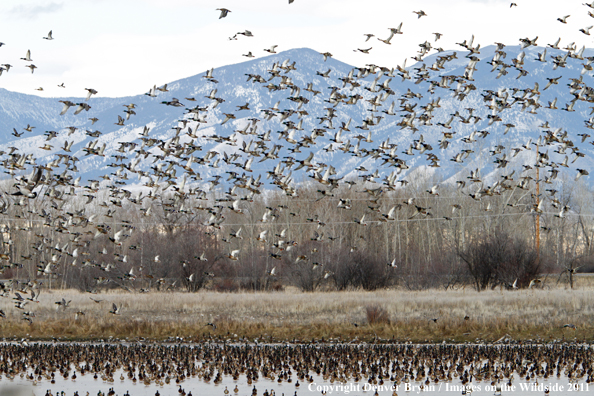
(36, 177)
(391, 212)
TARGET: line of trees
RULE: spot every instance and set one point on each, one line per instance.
(338, 239)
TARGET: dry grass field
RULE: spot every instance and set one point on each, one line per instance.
(424, 316)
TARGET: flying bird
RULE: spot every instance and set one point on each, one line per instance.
(115, 309)
(224, 12)
(234, 255)
(90, 91)
(27, 57)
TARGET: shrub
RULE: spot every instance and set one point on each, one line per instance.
(376, 314)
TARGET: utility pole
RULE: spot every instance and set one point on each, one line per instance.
(537, 203)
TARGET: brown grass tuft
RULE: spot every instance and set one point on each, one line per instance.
(377, 314)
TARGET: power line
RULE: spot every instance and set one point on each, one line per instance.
(387, 222)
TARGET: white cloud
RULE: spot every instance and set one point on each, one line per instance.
(34, 11)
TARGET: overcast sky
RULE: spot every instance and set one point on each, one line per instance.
(123, 47)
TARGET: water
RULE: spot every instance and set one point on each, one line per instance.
(198, 387)
(316, 384)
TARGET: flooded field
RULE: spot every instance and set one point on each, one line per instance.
(293, 369)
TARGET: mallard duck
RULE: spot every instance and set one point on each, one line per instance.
(27, 57)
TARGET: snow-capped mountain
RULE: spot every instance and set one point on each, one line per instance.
(424, 108)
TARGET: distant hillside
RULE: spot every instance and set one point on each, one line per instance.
(521, 107)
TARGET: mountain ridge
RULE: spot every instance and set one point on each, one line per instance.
(19, 110)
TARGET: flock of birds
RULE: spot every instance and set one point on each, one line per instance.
(61, 235)
(470, 365)
(43, 185)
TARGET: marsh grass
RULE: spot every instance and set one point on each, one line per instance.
(290, 315)
(376, 314)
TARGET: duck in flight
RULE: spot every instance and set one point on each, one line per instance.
(27, 57)
(224, 12)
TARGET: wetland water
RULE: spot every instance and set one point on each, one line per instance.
(197, 388)
(314, 369)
